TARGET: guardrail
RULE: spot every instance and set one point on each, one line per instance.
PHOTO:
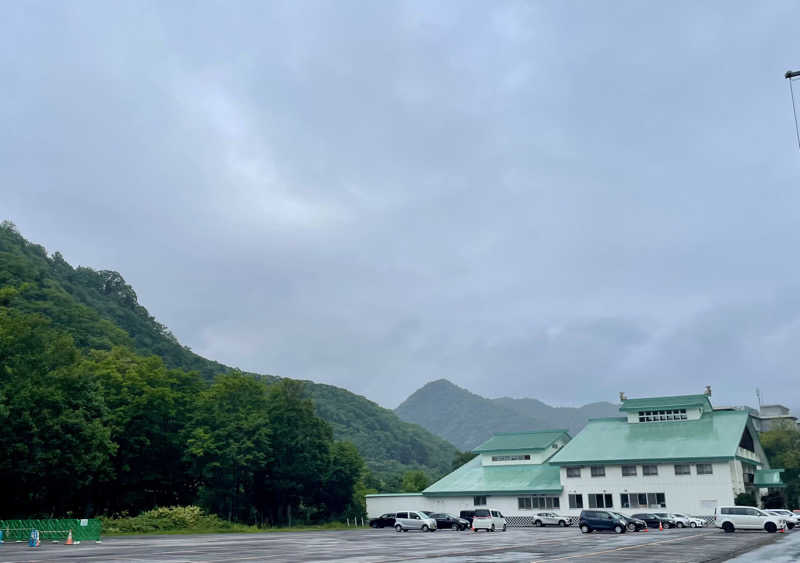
(86, 529)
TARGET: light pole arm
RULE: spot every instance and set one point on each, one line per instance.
(792, 74)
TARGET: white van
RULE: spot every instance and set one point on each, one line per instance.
(488, 519)
(729, 518)
(414, 520)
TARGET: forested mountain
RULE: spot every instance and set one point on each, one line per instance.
(101, 312)
(466, 419)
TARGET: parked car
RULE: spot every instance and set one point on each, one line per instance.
(467, 515)
(791, 518)
(488, 519)
(550, 519)
(667, 520)
(632, 524)
(448, 521)
(383, 520)
(729, 518)
(653, 520)
(591, 520)
(689, 521)
(414, 520)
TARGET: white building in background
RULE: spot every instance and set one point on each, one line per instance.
(773, 416)
(673, 454)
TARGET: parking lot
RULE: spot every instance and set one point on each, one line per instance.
(386, 545)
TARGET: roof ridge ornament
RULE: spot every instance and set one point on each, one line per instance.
(622, 396)
(707, 392)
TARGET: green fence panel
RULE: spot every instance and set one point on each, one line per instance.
(87, 529)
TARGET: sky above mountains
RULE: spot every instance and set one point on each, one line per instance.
(561, 200)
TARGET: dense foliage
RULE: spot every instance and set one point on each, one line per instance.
(100, 312)
(782, 446)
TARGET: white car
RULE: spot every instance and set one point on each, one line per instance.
(549, 519)
(729, 518)
(791, 518)
(488, 519)
(414, 520)
(684, 520)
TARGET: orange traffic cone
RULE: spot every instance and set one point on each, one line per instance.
(660, 527)
(69, 539)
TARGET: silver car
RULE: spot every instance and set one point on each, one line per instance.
(549, 519)
(414, 520)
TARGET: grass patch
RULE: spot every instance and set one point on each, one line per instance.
(194, 520)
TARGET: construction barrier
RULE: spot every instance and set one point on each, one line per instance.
(87, 529)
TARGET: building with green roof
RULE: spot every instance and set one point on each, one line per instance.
(673, 454)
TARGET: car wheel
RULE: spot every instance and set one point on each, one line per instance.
(373, 524)
(631, 527)
(538, 523)
(770, 527)
(492, 528)
(425, 528)
(618, 529)
(505, 528)
(693, 524)
(728, 527)
(399, 528)
(562, 523)
(475, 530)
(585, 529)
(680, 524)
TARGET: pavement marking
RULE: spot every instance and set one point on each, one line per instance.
(637, 546)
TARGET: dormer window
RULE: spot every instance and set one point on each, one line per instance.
(663, 415)
(521, 457)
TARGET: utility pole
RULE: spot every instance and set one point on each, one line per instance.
(791, 75)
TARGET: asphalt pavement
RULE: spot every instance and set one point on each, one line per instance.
(387, 546)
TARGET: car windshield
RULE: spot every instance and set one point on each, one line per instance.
(482, 512)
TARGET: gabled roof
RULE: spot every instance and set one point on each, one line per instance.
(675, 402)
(521, 441)
(613, 440)
(769, 478)
(472, 478)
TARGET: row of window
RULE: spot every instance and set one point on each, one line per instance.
(662, 415)
(626, 500)
(521, 457)
(479, 501)
(538, 502)
(647, 470)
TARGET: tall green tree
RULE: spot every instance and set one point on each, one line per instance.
(782, 446)
(414, 481)
(229, 443)
(301, 444)
(344, 473)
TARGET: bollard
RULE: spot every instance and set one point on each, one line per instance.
(34, 540)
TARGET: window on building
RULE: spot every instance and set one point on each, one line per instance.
(704, 469)
(656, 500)
(538, 502)
(520, 457)
(598, 471)
(650, 469)
(575, 501)
(664, 415)
(573, 471)
(479, 501)
(682, 469)
(629, 471)
(642, 500)
(524, 503)
(749, 477)
(624, 500)
(600, 500)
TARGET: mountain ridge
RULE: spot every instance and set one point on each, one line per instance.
(451, 412)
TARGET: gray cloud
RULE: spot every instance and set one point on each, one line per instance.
(555, 199)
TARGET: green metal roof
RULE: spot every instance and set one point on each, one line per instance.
(768, 478)
(678, 401)
(395, 495)
(474, 479)
(715, 435)
(519, 441)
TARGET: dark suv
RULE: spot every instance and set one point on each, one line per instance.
(467, 515)
(591, 520)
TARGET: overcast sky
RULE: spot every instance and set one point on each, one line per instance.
(560, 200)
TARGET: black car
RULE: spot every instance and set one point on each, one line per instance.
(467, 515)
(653, 520)
(448, 521)
(667, 520)
(384, 520)
(633, 524)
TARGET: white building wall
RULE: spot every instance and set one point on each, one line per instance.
(377, 505)
(507, 504)
(692, 494)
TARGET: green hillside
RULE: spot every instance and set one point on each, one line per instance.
(451, 412)
(99, 310)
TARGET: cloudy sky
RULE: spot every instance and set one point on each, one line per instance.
(560, 200)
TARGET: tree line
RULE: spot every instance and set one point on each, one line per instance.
(86, 432)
